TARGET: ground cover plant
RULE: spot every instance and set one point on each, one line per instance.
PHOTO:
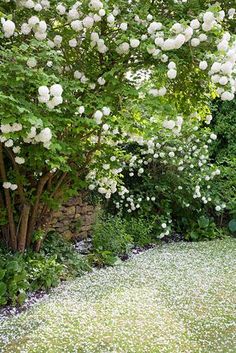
(22, 274)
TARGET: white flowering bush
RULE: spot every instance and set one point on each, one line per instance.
(68, 73)
(169, 175)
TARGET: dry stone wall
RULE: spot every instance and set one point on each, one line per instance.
(74, 219)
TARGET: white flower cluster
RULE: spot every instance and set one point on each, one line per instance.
(105, 185)
(38, 27)
(99, 114)
(43, 136)
(51, 97)
(8, 27)
(98, 42)
(7, 129)
(223, 71)
(10, 128)
(9, 185)
(155, 92)
(38, 5)
(174, 125)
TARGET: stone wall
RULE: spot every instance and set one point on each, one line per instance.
(74, 219)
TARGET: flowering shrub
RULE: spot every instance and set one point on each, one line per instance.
(223, 152)
(68, 73)
(170, 176)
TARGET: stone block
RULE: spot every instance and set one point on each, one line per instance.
(68, 234)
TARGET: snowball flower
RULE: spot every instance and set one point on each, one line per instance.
(98, 115)
(110, 18)
(226, 68)
(32, 21)
(195, 24)
(134, 43)
(162, 91)
(77, 25)
(56, 90)
(223, 45)
(32, 62)
(172, 74)
(43, 91)
(96, 5)
(57, 40)
(88, 22)
(73, 43)
(45, 135)
(203, 65)
(13, 187)
(171, 65)
(216, 67)
(231, 13)
(227, 96)
(61, 9)
(57, 100)
(123, 48)
(6, 185)
(25, 28)
(169, 124)
(81, 109)
(8, 28)
(177, 28)
(19, 160)
(124, 26)
(101, 81)
(9, 143)
(77, 74)
(213, 136)
(223, 80)
(106, 127)
(106, 111)
(179, 41)
(208, 17)
(195, 42)
(208, 119)
(154, 26)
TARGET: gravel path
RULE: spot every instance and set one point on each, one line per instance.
(177, 298)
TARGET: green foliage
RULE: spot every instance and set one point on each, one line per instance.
(73, 263)
(13, 279)
(204, 229)
(110, 235)
(224, 153)
(23, 273)
(114, 236)
(43, 272)
(141, 230)
(232, 225)
(175, 185)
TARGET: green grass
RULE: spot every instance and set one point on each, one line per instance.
(178, 298)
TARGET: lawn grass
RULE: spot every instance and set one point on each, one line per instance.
(177, 298)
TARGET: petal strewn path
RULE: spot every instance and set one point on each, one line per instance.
(178, 298)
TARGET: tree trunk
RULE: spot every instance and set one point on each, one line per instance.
(23, 228)
(11, 222)
(35, 210)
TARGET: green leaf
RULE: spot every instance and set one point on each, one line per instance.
(13, 265)
(3, 289)
(203, 222)
(232, 225)
(2, 274)
(21, 297)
